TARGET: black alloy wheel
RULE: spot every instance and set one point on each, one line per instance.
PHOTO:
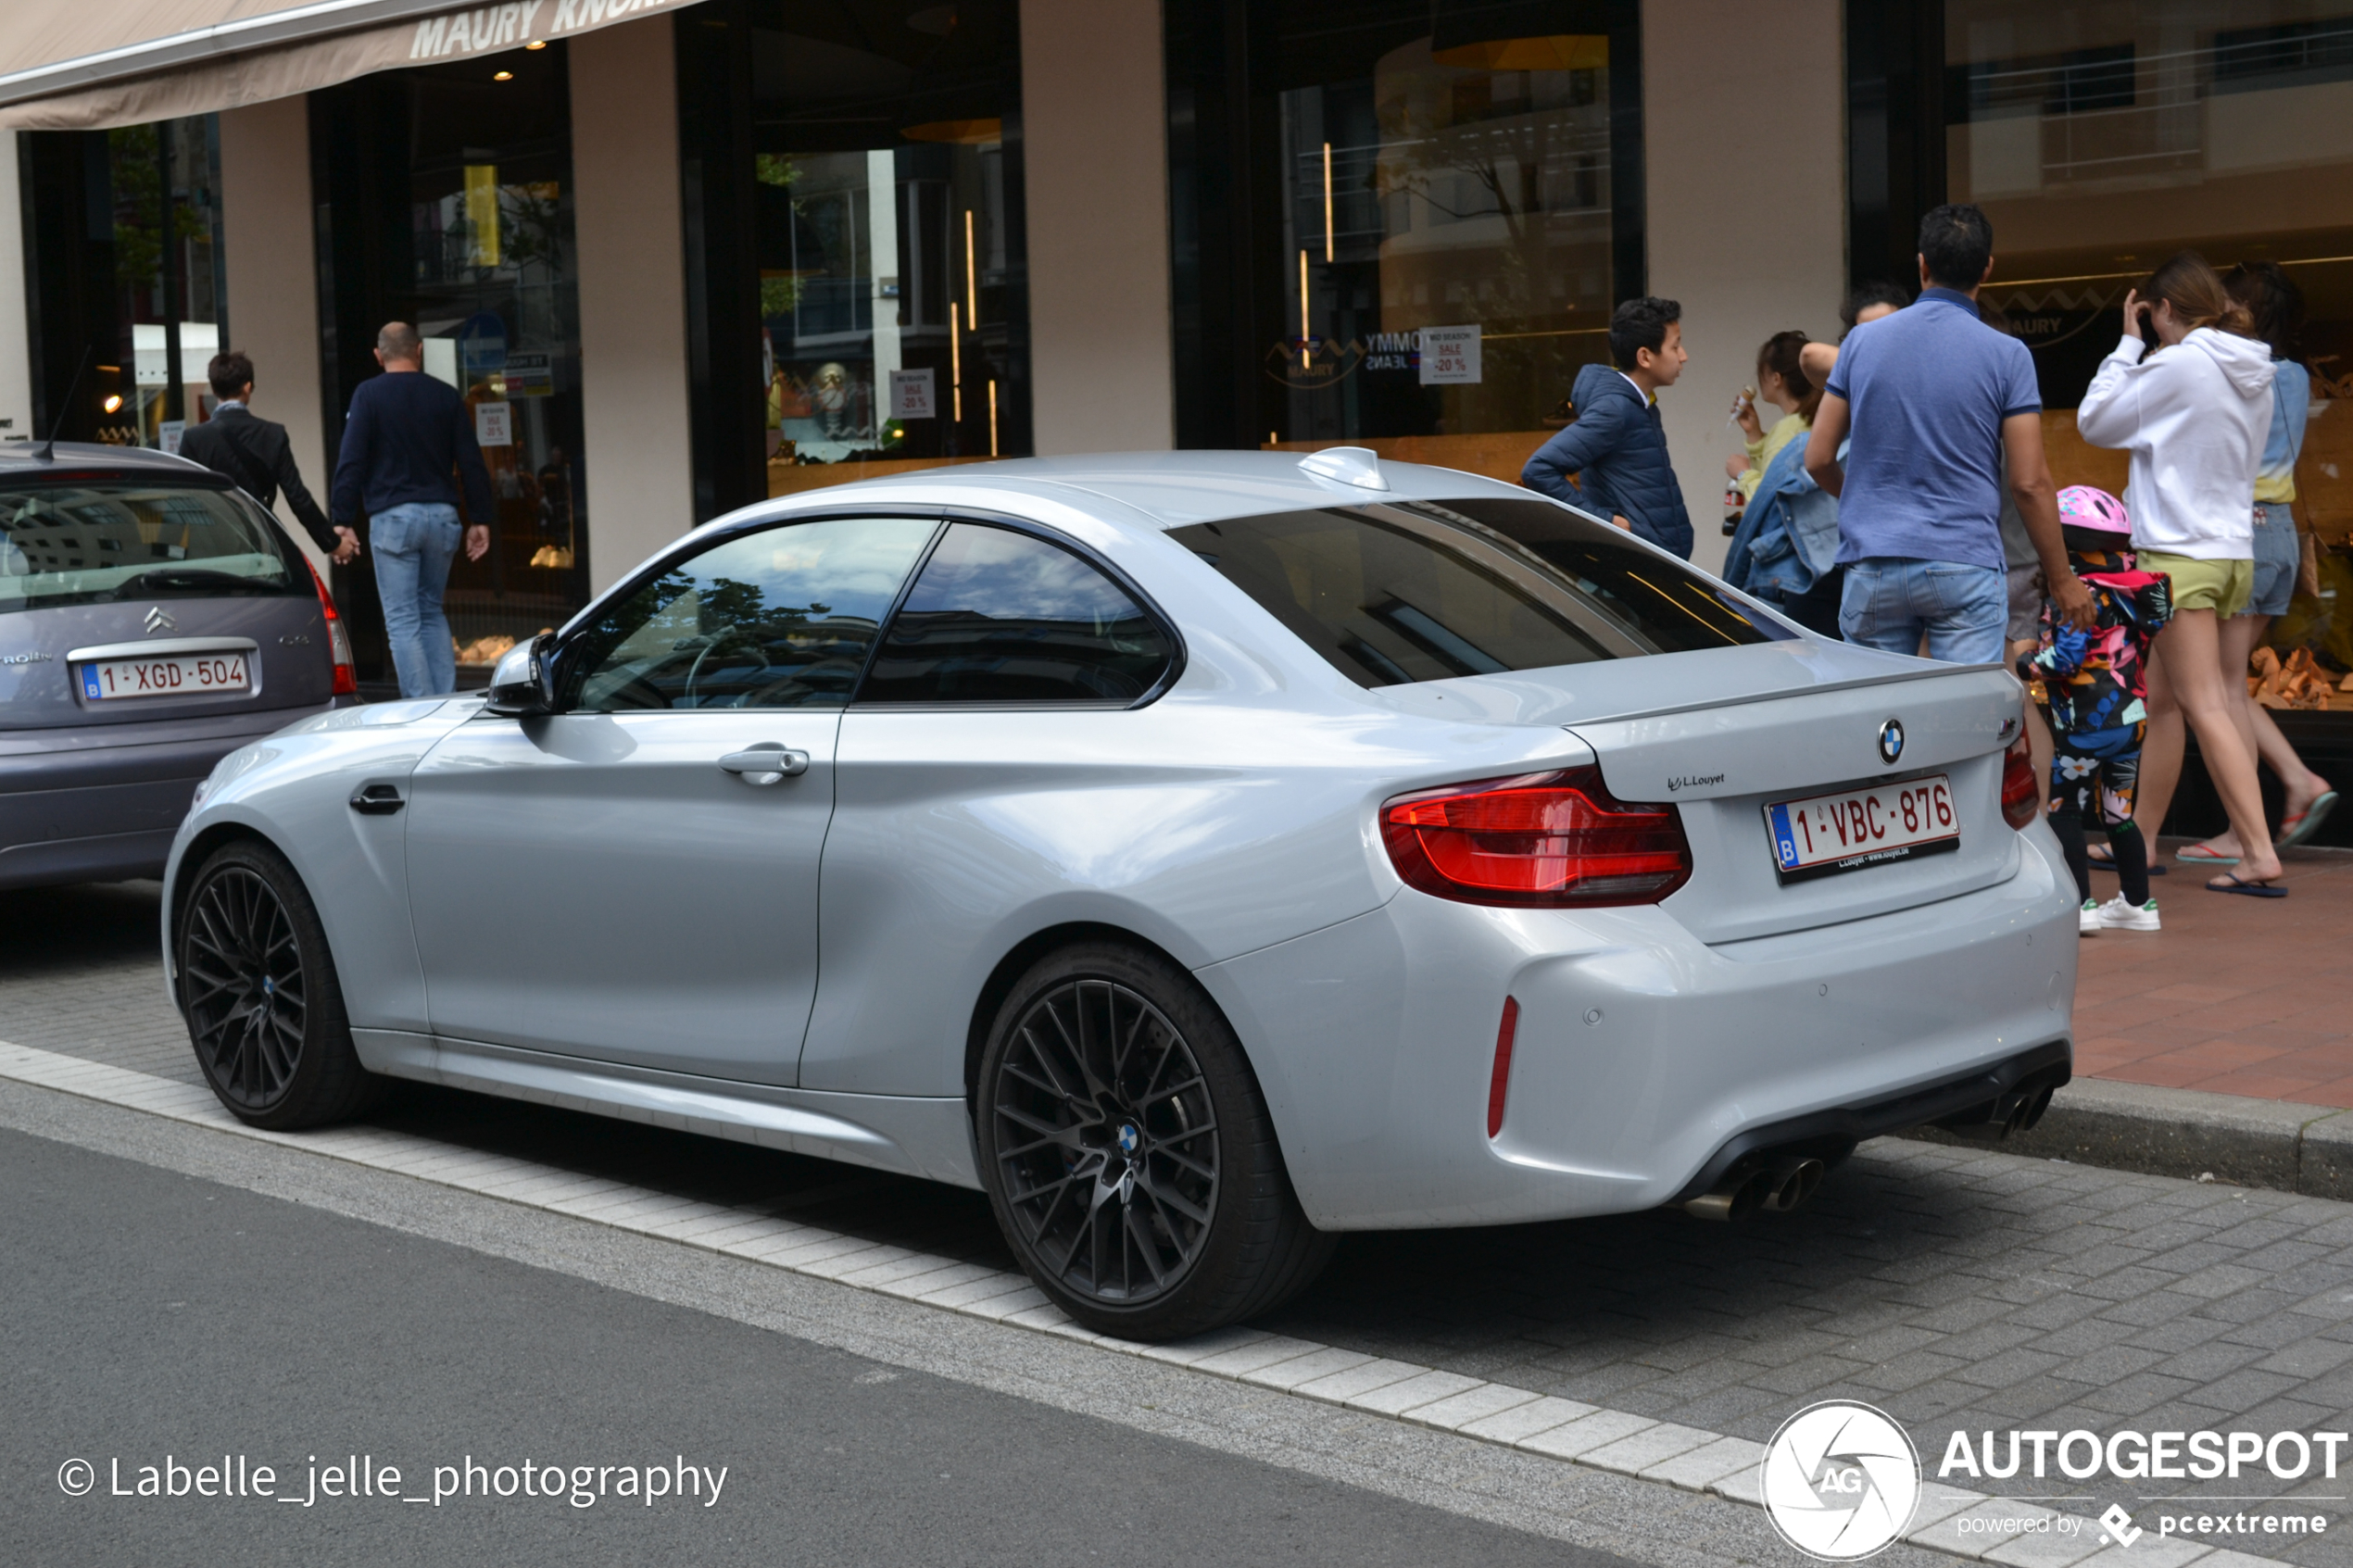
(259, 994)
(1128, 1154)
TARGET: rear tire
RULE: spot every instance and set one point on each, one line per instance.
(257, 987)
(1128, 1154)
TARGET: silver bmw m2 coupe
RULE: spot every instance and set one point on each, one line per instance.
(1203, 853)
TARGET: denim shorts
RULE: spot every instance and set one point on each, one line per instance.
(2278, 556)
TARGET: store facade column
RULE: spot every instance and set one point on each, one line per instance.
(633, 293)
(1744, 153)
(273, 280)
(16, 326)
(1094, 140)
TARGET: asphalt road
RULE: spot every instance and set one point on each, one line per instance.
(155, 1319)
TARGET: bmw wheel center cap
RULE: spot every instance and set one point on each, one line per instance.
(1891, 742)
(1129, 1138)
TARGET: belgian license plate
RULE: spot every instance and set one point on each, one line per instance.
(185, 675)
(1824, 835)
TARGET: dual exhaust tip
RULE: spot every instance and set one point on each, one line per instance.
(1777, 1183)
(1776, 1187)
(2017, 1111)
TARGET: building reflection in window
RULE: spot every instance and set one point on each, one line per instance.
(888, 274)
(1446, 257)
(2102, 138)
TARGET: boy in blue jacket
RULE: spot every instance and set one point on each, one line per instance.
(1617, 445)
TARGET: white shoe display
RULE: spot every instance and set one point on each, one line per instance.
(2087, 919)
(2119, 915)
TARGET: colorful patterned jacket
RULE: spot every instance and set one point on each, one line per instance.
(2098, 680)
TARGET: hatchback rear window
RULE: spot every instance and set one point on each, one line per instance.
(91, 540)
(1413, 591)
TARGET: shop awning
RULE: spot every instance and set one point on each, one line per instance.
(88, 65)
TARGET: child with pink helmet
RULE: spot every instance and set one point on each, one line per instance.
(2096, 693)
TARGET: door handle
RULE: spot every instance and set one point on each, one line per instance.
(378, 800)
(764, 764)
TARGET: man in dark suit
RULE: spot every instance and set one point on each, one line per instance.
(256, 455)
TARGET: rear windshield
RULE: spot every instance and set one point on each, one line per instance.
(1412, 591)
(91, 540)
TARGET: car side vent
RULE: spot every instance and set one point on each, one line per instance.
(1359, 465)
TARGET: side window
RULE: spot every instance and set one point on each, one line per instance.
(1002, 617)
(783, 618)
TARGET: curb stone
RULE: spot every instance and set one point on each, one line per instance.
(2191, 1134)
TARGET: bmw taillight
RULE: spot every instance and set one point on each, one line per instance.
(338, 638)
(1551, 840)
(2022, 793)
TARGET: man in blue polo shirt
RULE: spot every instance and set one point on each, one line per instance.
(1935, 399)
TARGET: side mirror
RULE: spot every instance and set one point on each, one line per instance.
(523, 684)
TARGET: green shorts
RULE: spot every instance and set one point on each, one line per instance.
(2222, 587)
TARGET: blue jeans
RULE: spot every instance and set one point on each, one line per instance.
(2278, 557)
(1963, 609)
(413, 546)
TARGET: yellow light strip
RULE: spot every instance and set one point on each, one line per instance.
(956, 357)
(1328, 201)
(1566, 331)
(992, 419)
(1303, 310)
(2141, 273)
(972, 275)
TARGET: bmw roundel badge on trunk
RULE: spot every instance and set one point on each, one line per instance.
(1890, 741)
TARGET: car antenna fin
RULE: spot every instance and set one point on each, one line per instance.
(1359, 465)
(48, 453)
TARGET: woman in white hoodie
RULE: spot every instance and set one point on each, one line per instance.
(2194, 416)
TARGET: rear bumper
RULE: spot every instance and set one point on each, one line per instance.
(1645, 1059)
(102, 804)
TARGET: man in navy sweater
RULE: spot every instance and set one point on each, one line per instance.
(407, 440)
(1616, 445)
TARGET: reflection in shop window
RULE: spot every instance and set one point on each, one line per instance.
(446, 202)
(158, 203)
(888, 272)
(2102, 138)
(1446, 247)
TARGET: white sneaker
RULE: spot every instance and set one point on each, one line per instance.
(2117, 915)
(2087, 919)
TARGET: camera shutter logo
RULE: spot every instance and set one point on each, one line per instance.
(1840, 1481)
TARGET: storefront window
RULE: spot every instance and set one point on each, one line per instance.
(453, 211)
(877, 153)
(2102, 138)
(1452, 222)
(127, 281)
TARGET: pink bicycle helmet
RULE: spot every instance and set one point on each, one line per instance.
(2082, 506)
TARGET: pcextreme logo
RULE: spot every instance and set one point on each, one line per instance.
(1840, 1481)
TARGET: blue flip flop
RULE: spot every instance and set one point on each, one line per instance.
(2297, 829)
(2232, 883)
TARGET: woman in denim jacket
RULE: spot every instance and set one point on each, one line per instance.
(1787, 543)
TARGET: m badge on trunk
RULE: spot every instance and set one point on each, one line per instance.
(1890, 741)
(158, 621)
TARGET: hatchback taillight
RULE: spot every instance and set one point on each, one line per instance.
(1558, 839)
(2021, 794)
(338, 639)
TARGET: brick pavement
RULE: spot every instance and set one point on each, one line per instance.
(2235, 996)
(1957, 1288)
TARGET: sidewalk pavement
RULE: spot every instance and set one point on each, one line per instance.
(2221, 1047)
(2236, 996)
